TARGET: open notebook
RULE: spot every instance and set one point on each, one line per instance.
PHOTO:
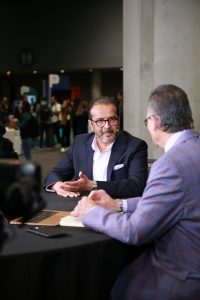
(51, 218)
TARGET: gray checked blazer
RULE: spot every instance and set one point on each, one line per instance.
(167, 219)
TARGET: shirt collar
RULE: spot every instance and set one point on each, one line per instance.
(95, 145)
(172, 140)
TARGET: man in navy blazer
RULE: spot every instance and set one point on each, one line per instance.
(167, 216)
(107, 158)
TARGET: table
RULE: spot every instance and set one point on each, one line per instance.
(82, 265)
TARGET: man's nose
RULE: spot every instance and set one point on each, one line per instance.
(107, 125)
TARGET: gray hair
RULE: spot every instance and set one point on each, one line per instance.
(171, 105)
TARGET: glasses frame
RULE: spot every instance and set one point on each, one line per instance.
(147, 119)
(116, 119)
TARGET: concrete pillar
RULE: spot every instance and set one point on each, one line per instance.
(161, 44)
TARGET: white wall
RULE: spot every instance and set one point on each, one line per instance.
(161, 45)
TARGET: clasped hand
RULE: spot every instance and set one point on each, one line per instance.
(95, 198)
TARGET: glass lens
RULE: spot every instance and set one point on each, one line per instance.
(100, 123)
(112, 121)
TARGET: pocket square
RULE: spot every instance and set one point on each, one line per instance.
(117, 167)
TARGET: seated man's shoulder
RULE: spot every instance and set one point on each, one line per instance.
(83, 137)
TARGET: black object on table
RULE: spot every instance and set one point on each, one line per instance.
(81, 265)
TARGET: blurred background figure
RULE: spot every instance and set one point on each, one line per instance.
(65, 124)
(43, 115)
(6, 146)
(74, 105)
(120, 99)
(18, 108)
(24, 123)
(5, 110)
(55, 119)
(81, 118)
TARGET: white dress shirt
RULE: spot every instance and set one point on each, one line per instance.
(171, 141)
(100, 161)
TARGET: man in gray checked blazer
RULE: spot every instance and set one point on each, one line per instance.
(167, 216)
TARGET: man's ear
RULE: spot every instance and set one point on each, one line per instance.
(156, 124)
(90, 125)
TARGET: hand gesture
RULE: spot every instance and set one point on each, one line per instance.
(62, 190)
(103, 199)
(82, 184)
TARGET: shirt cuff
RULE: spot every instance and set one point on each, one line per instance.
(47, 189)
(124, 203)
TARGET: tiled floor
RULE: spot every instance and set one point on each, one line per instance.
(46, 158)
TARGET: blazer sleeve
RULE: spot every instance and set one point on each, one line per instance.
(77, 158)
(156, 212)
(63, 171)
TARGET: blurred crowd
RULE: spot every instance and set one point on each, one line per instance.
(47, 124)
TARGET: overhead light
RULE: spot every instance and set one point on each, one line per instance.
(62, 71)
(35, 71)
(8, 73)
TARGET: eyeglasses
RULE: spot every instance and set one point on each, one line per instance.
(147, 119)
(102, 122)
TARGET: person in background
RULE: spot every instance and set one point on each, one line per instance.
(18, 106)
(166, 217)
(106, 158)
(55, 119)
(24, 124)
(5, 110)
(43, 114)
(74, 105)
(120, 99)
(65, 124)
(81, 118)
(6, 146)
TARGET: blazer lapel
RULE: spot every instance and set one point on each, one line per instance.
(116, 152)
(89, 158)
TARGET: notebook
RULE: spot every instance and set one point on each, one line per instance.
(44, 217)
(71, 221)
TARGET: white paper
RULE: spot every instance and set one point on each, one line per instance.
(71, 221)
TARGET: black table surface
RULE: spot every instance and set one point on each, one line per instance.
(81, 265)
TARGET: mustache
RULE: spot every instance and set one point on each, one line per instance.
(110, 130)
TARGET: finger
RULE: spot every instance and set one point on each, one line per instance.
(82, 175)
(74, 213)
(64, 193)
(94, 195)
(70, 184)
(73, 194)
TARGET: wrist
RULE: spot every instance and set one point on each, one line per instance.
(94, 185)
(119, 205)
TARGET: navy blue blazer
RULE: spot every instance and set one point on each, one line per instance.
(127, 150)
